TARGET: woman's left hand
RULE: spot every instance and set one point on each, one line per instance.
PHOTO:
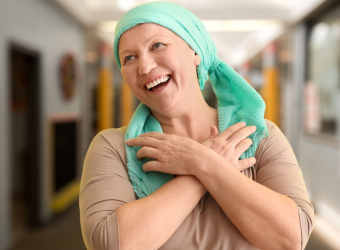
(173, 154)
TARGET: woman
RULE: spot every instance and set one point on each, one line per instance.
(237, 189)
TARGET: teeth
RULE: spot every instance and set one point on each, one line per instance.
(157, 81)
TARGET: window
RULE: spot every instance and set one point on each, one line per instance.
(322, 90)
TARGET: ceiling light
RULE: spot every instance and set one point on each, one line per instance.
(241, 25)
(107, 26)
(125, 5)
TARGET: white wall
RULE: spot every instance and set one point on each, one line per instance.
(318, 155)
(44, 27)
(319, 161)
(4, 170)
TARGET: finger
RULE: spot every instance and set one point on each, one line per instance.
(213, 131)
(242, 134)
(243, 146)
(226, 134)
(143, 142)
(152, 166)
(148, 152)
(157, 135)
(246, 163)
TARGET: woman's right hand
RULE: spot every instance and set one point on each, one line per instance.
(231, 143)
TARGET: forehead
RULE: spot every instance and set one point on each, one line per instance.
(141, 33)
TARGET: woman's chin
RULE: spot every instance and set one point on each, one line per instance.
(164, 107)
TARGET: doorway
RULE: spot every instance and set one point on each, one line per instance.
(24, 97)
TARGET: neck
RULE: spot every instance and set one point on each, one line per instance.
(191, 119)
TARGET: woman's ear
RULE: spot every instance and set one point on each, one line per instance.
(197, 59)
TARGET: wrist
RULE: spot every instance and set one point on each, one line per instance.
(209, 163)
(193, 182)
(205, 159)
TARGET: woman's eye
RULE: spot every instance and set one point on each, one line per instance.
(128, 58)
(157, 45)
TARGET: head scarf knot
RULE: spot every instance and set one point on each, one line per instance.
(237, 100)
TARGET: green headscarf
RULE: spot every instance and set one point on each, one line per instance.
(237, 100)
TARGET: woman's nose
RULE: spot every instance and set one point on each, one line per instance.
(146, 64)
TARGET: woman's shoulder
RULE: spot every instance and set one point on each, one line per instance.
(113, 132)
(274, 146)
(272, 127)
(273, 132)
(266, 142)
(110, 141)
(113, 136)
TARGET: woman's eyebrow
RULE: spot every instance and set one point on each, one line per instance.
(147, 41)
(127, 50)
(153, 38)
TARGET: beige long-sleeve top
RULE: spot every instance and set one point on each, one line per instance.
(105, 186)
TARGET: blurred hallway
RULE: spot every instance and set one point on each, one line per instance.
(63, 233)
(60, 85)
(316, 243)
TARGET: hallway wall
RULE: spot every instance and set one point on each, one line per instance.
(46, 28)
(319, 161)
(317, 154)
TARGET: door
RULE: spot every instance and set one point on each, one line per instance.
(25, 139)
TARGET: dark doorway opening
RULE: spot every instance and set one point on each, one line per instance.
(24, 122)
(65, 152)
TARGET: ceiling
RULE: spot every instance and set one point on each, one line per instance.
(235, 46)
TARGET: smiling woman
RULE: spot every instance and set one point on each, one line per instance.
(158, 54)
(171, 179)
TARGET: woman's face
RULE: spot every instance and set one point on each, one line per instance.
(153, 55)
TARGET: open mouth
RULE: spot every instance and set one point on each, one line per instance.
(158, 85)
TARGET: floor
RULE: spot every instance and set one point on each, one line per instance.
(316, 243)
(19, 230)
(64, 234)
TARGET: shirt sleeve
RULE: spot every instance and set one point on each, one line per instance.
(278, 169)
(105, 186)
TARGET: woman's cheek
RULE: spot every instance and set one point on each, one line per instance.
(127, 77)
(126, 73)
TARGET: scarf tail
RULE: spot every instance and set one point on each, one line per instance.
(238, 102)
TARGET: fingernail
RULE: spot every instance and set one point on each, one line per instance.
(254, 128)
(127, 140)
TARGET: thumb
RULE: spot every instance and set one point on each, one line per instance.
(213, 131)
